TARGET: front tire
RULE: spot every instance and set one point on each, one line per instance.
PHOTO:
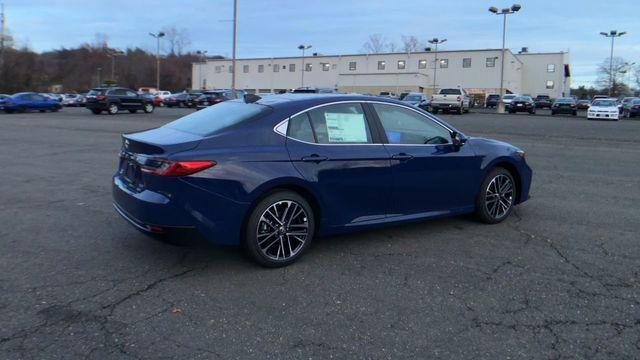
(279, 229)
(113, 109)
(497, 196)
(148, 108)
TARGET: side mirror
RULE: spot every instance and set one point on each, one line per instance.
(457, 140)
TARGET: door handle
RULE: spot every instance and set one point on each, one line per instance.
(402, 157)
(314, 158)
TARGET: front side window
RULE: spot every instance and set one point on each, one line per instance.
(292, 67)
(444, 63)
(308, 67)
(551, 68)
(381, 65)
(422, 64)
(402, 64)
(260, 68)
(245, 69)
(404, 126)
(466, 62)
(299, 128)
(340, 124)
(491, 62)
(549, 84)
(352, 65)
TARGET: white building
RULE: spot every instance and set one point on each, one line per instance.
(478, 71)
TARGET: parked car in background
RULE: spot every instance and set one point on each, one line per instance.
(163, 94)
(522, 104)
(564, 105)
(603, 109)
(147, 90)
(417, 99)
(313, 90)
(631, 108)
(507, 99)
(543, 101)
(491, 100)
(388, 94)
(450, 100)
(29, 101)
(212, 97)
(273, 174)
(114, 99)
(70, 100)
(583, 104)
(178, 100)
(192, 99)
(624, 101)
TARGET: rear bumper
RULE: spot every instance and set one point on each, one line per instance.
(445, 106)
(215, 217)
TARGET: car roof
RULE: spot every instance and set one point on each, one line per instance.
(312, 99)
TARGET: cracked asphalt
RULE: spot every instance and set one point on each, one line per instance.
(558, 279)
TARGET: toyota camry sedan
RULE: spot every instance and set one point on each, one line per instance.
(274, 173)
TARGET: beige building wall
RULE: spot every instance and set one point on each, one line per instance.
(540, 68)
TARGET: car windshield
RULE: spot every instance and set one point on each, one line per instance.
(412, 98)
(218, 117)
(604, 103)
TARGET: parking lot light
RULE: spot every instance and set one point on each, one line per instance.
(436, 41)
(158, 36)
(612, 34)
(303, 48)
(504, 12)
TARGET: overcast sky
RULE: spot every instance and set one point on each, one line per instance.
(276, 27)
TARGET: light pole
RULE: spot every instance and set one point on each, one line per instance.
(157, 36)
(612, 34)
(303, 48)
(113, 63)
(203, 59)
(504, 12)
(99, 76)
(235, 45)
(435, 41)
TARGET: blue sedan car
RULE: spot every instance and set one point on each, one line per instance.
(274, 173)
(28, 101)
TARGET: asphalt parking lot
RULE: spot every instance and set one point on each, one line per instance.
(559, 279)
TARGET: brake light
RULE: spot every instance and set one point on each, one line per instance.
(458, 98)
(100, 97)
(177, 168)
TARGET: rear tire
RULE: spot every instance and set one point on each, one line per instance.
(497, 196)
(279, 229)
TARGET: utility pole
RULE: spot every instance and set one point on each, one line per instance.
(504, 12)
(113, 63)
(435, 41)
(235, 45)
(3, 36)
(612, 34)
(303, 48)
(157, 36)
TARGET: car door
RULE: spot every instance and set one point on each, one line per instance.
(335, 148)
(133, 100)
(430, 174)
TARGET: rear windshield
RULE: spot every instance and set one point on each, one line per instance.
(96, 92)
(542, 97)
(564, 100)
(217, 117)
(450, 92)
(522, 98)
(493, 96)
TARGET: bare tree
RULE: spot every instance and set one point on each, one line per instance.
(411, 43)
(376, 44)
(101, 41)
(613, 76)
(177, 39)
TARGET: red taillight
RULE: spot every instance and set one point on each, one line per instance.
(178, 168)
(100, 97)
(458, 98)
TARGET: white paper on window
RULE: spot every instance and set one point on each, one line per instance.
(349, 128)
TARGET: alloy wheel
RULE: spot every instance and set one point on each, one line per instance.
(282, 230)
(499, 196)
(113, 108)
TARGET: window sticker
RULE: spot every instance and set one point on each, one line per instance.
(349, 128)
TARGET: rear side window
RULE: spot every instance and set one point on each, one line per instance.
(216, 118)
(340, 124)
(299, 128)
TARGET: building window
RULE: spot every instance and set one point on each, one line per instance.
(245, 68)
(422, 64)
(260, 68)
(444, 63)
(551, 67)
(402, 64)
(466, 62)
(276, 68)
(381, 65)
(352, 65)
(218, 69)
(549, 84)
(308, 67)
(491, 62)
(230, 68)
(292, 67)
(326, 66)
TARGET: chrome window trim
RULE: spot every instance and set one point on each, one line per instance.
(283, 125)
